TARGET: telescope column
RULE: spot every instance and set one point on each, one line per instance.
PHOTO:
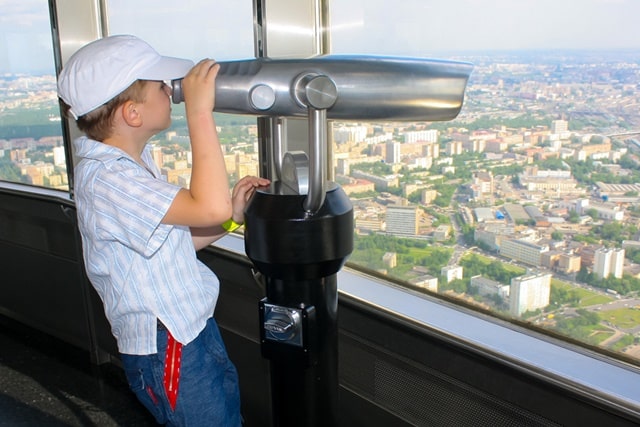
(300, 255)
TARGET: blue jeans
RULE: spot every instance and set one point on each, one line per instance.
(208, 394)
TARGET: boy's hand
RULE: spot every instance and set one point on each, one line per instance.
(242, 192)
(199, 87)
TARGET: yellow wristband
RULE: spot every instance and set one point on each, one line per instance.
(230, 225)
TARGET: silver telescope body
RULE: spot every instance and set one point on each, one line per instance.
(327, 87)
(346, 86)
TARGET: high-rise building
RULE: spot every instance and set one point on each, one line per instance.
(608, 262)
(59, 158)
(157, 156)
(451, 272)
(529, 293)
(393, 152)
(426, 281)
(488, 287)
(402, 220)
(454, 148)
(617, 263)
(559, 126)
(344, 134)
(523, 251)
(430, 135)
(390, 259)
(483, 181)
(602, 262)
(431, 150)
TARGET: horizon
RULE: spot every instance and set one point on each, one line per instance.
(577, 52)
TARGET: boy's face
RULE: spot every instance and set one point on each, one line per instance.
(157, 106)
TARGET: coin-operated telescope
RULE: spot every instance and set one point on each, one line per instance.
(299, 231)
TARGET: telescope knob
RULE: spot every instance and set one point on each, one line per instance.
(316, 91)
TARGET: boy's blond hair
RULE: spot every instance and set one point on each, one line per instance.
(98, 124)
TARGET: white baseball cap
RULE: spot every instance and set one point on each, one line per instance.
(104, 68)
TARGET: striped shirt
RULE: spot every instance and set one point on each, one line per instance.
(143, 270)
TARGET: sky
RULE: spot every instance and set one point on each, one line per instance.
(415, 25)
(411, 27)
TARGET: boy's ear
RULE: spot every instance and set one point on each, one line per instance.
(130, 114)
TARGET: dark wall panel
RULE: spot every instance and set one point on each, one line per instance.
(42, 282)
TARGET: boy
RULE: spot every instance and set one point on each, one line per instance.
(140, 234)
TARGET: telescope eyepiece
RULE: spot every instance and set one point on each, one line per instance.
(176, 91)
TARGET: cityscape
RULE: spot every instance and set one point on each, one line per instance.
(526, 206)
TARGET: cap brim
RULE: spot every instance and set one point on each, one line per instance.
(167, 68)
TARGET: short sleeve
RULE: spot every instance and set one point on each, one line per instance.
(129, 206)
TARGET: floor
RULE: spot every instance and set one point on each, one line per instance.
(45, 382)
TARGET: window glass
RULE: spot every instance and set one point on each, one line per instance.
(31, 147)
(195, 29)
(527, 204)
(192, 29)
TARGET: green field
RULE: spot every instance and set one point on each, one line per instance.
(509, 267)
(432, 257)
(623, 318)
(598, 335)
(587, 297)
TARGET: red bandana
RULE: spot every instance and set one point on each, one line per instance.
(172, 369)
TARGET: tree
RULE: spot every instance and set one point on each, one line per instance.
(574, 217)
(9, 171)
(593, 213)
